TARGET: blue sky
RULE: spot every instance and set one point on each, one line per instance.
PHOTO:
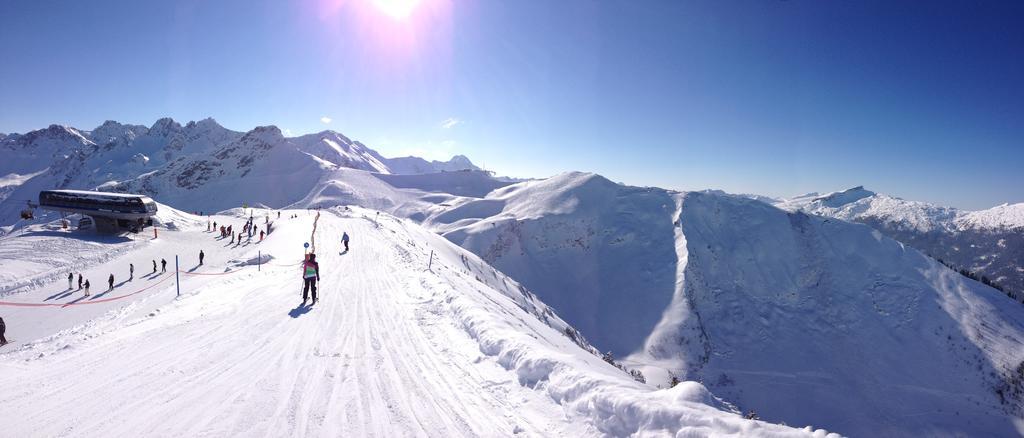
(923, 100)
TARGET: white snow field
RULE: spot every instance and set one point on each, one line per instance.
(402, 343)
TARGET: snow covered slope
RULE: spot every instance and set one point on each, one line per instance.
(412, 336)
(988, 243)
(750, 299)
(600, 253)
(801, 317)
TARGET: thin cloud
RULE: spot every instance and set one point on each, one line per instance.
(325, 120)
(450, 123)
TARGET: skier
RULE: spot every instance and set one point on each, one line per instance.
(232, 238)
(71, 278)
(3, 328)
(344, 239)
(154, 266)
(131, 271)
(163, 266)
(201, 256)
(86, 287)
(310, 275)
(261, 235)
(110, 282)
(214, 225)
(79, 281)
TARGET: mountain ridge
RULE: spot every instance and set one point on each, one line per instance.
(122, 157)
(988, 243)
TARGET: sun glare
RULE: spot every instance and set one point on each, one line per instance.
(397, 9)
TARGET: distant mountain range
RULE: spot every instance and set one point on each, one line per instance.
(167, 157)
(988, 244)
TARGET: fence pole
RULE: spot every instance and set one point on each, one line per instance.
(177, 277)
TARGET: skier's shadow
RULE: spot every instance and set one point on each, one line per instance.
(76, 300)
(68, 294)
(56, 295)
(299, 311)
(100, 295)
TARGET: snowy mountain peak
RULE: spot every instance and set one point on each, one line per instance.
(53, 139)
(837, 199)
(108, 124)
(269, 134)
(1003, 217)
(335, 136)
(461, 160)
(206, 124)
(165, 126)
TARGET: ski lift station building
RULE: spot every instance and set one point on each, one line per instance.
(110, 212)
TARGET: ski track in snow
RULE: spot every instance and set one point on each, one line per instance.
(368, 359)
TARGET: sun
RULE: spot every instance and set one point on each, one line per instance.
(397, 9)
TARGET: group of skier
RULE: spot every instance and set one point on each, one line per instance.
(83, 283)
(310, 267)
(249, 229)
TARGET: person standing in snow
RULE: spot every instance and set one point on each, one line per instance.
(310, 275)
(163, 266)
(232, 238)
(79, 281)
(261, 235)
(344, 239)
(201, 256)
(3, 328)
(110, 282)
(71, 279)
(154, 266)
(131, 271)
(86, 287)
